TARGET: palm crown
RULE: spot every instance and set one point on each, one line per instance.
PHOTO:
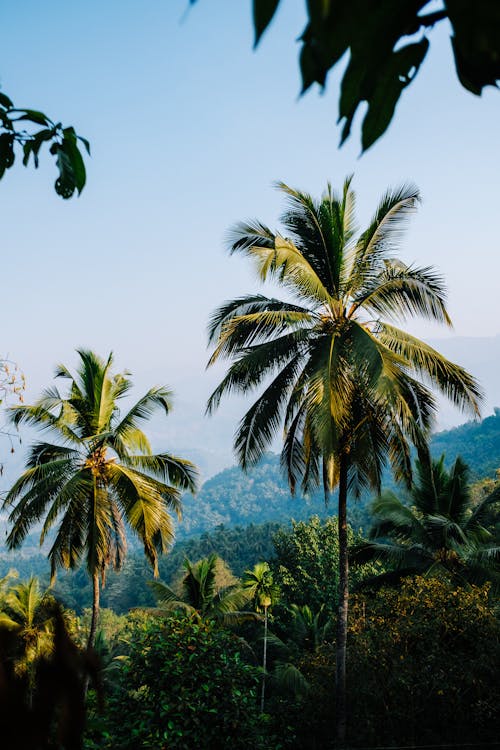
(336, 369)
(202, 595)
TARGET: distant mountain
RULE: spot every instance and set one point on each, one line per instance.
(233, 498)
(478, 443)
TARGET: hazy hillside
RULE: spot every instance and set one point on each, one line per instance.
(235, 498)
(478, 443)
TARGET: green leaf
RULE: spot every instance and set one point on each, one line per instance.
(263, 12)
(77, 165)
(7, 155)
(85, 143)
(476, 42)
(5, 101)
(32, 115)
(399, 71)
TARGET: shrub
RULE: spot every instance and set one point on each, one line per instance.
(184, 684)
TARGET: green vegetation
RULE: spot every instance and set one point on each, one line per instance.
(344, 381)
(305, 564)
(435, 648)
(438, 530)
(99, 476)
(421, 656)
(184, 684)
(30, 130)
(386, 43)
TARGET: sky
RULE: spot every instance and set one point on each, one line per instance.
(189, 128)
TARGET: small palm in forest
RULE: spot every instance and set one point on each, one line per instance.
(28, 613)
(435, 530)
(98, 477)
(201, 594)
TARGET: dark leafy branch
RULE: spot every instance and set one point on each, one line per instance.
(387, 42)
(18, 128)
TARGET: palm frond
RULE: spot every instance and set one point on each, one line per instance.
(261, 422)
(170, 470)
(383, 235)
(451, 379)
(401, 291)
(251, 304)
(257, 363)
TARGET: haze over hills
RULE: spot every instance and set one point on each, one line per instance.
(230, 497)
(208, 440)
(233, 498)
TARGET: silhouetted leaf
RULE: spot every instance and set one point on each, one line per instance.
(398, 73)
(263, 12)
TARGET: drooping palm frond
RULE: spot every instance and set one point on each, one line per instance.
(451, 379)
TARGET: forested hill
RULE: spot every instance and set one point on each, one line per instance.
(234, 498)
(478, 443)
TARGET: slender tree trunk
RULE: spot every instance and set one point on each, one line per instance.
(95, 610)
(93, 622)
(264, 665)
(342, 611)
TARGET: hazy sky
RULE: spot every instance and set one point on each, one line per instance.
(189, 128)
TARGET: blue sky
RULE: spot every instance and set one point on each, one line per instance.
(189, 128)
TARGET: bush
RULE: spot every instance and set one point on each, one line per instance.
(421, 670)
(184, 684)
(422, 665)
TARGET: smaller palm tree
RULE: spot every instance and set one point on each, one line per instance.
(28, 613)
(263, 591)
(99, 476)
(435, 530)
(202, 596)
(307, 632)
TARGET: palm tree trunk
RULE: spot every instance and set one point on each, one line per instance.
(264, 665)
(95, 610)
(93, 624)
(342, 611)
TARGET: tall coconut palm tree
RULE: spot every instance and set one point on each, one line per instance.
(336, 370)
(99, 477)
(436, 530)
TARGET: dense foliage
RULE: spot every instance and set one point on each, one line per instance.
(184, 684)
(306, 563)
(422, 664)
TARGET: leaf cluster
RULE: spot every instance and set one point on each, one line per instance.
(386, 42)
(18, 127)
